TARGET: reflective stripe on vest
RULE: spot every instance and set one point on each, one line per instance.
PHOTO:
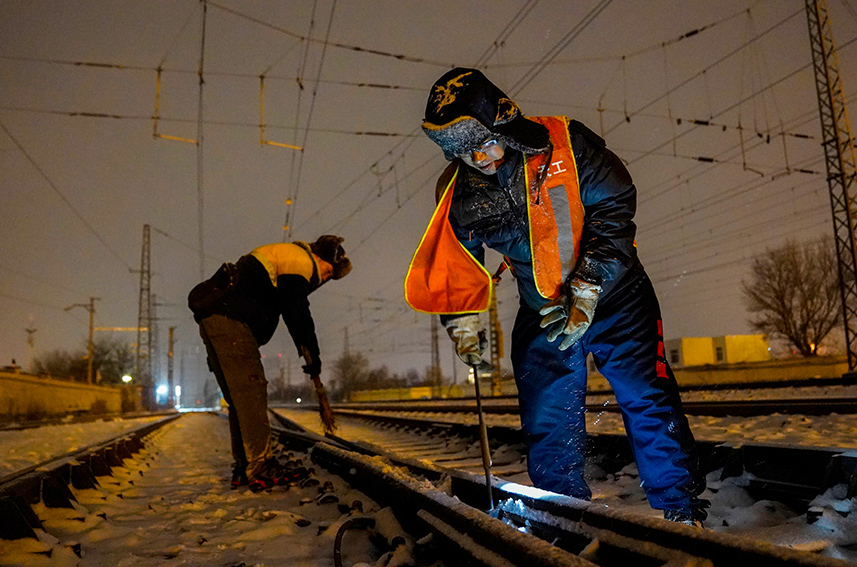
(445, 278)
(554, 210)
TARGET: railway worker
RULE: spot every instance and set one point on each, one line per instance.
(238, 310)
(547, 194)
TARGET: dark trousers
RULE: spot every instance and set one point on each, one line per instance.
(626, 341)
(233, 357)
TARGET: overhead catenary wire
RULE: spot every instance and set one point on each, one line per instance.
(558, 48)
(297, 179)
(41, 280)
(31, 302)
(505, 33)
(387, 194)
(725, 57)
(199, 146)
(185, 244)
(326, 42)
(64, 199)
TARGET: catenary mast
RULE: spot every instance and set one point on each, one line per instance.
(839, 157)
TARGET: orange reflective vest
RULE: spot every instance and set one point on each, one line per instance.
(445, 278)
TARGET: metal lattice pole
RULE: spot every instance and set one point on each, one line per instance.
(143, 366)
(171, 400)
(839, 156)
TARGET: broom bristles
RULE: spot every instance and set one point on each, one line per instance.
(328, 423)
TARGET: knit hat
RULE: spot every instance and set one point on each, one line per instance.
(465, 109)
(329, 248)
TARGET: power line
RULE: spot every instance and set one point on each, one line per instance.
(140, 117)
(326, 42)
(294, 197)
(566, 40)
(28, 276)
(63, 197)
(30, 301)
(709, 67)
(624, 56)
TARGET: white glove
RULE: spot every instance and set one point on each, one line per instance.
(469, 337)
(571, 313)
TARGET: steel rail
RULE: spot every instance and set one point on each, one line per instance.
(718, 408)
(525, 519)
(49, 481)
(790, 474)
(77, 418)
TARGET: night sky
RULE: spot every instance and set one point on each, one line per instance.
(347, 80)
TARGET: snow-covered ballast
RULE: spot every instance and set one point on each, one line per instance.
(522, 520)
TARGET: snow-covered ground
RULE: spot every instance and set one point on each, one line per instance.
(732, 510)
(173, 500)
(26, 447)
(172, 504)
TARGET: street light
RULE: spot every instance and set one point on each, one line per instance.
(91, 309)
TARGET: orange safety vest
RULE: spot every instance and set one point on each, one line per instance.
(445, 278)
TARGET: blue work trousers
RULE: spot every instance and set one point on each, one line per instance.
(626, 341)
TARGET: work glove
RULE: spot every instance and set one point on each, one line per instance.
(570, 314)
(469, 337)
(312, 366)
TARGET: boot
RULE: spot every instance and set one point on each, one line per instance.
(272, 474)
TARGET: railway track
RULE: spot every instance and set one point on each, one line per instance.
(740, 408)
(594, 533)
(445, 497)
(793, 475)
(48, 482)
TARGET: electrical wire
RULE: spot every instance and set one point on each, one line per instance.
(735, 51)
(326, 42)
(564, 42)
(303, 145)
(30, 302)
(64, 199)
(506, 32)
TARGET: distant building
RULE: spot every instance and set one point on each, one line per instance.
(726, 349)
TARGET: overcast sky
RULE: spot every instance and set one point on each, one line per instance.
(349, 85)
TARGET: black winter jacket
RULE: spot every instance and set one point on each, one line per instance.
(254, 300)
(491, 210)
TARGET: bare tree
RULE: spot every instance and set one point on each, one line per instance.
(793, 291)
(112, 358)
(350, 371)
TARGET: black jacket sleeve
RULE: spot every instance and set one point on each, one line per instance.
(610, 201)
(293, 291)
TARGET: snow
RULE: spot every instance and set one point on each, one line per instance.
(733, 510)
(172, 501)
(27, 447)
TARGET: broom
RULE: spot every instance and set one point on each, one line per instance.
(327, 421)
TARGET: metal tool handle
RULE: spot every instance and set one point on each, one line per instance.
(483, 439)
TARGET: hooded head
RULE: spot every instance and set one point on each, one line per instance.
(465, 109)
(329, 248)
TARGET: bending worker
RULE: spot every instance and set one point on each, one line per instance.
(548, 195)
(238, 310)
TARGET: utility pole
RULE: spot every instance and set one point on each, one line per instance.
(31, 342)
(171, 399)
(435, 378)
(91, 308)
(143, 365)
(346, 347)
(839, 155)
